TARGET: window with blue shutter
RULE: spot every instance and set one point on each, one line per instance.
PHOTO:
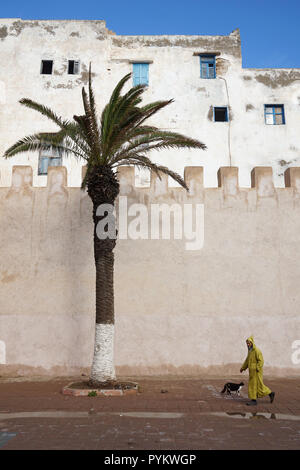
(207, 66)
(140, 74)
(274, 114)
(48, 158)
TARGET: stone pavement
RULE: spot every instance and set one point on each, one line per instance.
(169, 413)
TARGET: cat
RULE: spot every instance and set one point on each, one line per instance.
(231, 387)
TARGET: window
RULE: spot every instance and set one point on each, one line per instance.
(274, 114)
(73, 67)
(221, 114)
(140, 74)
(208, 66)
(50, 157)
(46, 67)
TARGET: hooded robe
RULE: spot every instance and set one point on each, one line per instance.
(255, 362)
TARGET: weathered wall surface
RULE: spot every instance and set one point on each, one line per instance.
(177, 311)
(174, 72)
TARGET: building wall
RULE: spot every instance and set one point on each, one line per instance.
(245, 141)
(177, 311)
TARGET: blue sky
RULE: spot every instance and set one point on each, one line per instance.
(269, 29)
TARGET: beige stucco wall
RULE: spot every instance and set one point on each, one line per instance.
(177, 311)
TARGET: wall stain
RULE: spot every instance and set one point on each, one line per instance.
(68, 85)
(84, 76)
(75, 34)
(62, 71)
(18, 26)
(222, 66)
(249, 107)
(3, 32)
(229, 45)
(284, 163)
(49, 29)
(278, 79)
(7, 278)
(210, 115)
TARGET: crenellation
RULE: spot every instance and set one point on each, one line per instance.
(292, 178)
(22, 177)
(127, 179)
(57, 182)
(262, 181)
(228, 180)
(159, 185)
(193, 176)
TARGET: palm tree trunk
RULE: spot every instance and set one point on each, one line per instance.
(103, 188)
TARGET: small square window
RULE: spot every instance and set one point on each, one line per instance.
(46, 67)
(140, 74)
(207, 66)
(73, 67)
(220, 114)
(274, 114)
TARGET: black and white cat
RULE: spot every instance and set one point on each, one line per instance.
(231, 387)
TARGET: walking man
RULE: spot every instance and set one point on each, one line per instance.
(254, 362)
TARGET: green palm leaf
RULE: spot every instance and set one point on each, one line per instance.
(120, 138)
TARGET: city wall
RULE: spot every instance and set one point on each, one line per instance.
(178, 311)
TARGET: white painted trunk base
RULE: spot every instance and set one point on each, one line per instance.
(103, 362)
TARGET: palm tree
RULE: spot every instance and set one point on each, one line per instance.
(121, 137)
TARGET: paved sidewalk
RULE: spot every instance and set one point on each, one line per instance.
(169, 413)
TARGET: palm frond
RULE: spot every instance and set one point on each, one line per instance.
(121, 136)
(158, 140)
(92, 98)
(91, 123)
(43, 141)
(44, 110)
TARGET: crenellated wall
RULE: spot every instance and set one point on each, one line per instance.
(178, 311)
